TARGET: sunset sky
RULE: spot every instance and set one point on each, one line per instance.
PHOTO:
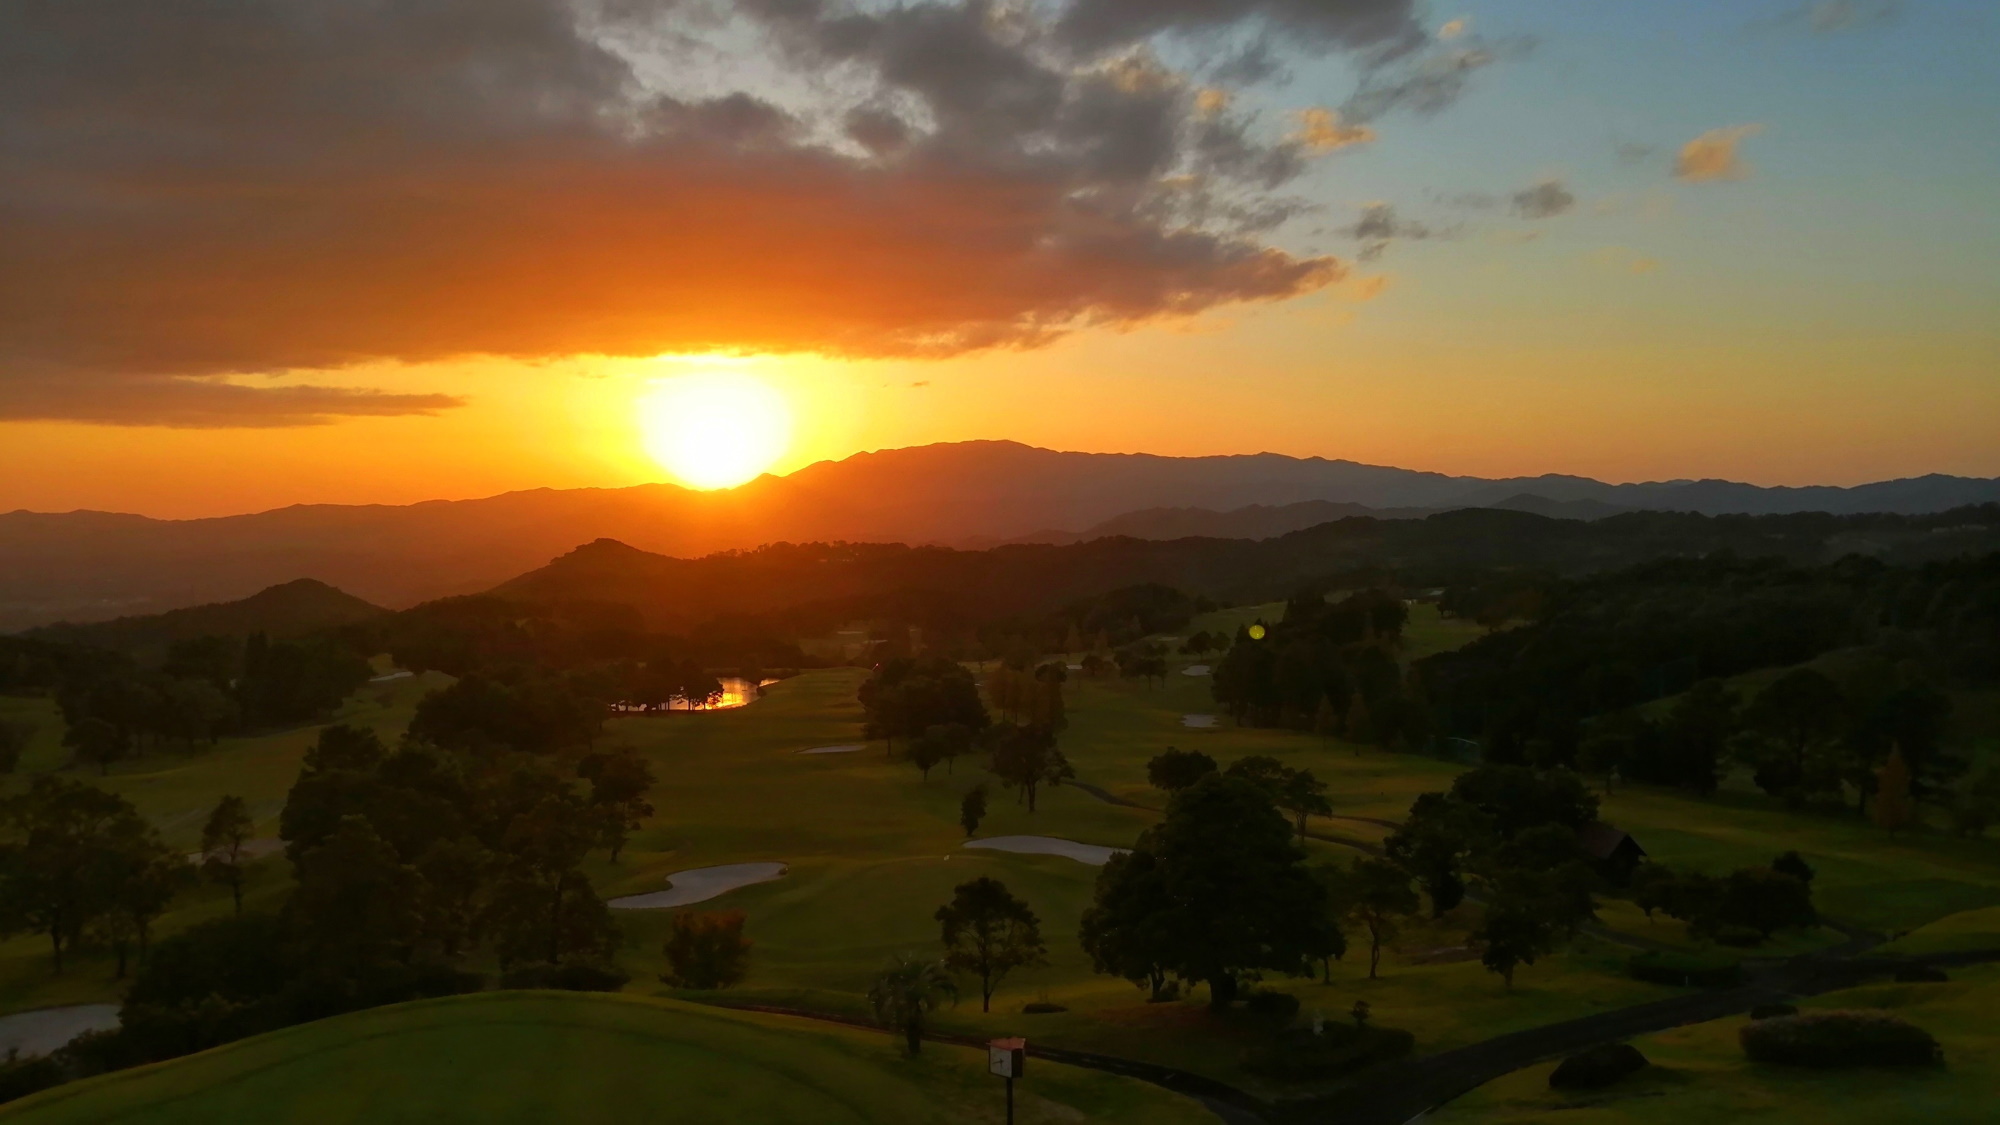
(254, 254)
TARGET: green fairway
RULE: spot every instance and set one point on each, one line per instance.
(538, 1057)
(1699, 1073)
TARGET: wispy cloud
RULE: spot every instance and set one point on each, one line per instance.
(1322, 131)
(1713, 156)
(1545, 200)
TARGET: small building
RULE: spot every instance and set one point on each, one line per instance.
(1613, 850)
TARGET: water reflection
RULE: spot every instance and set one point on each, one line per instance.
(736, 692)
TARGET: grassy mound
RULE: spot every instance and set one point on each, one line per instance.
(578, 1060)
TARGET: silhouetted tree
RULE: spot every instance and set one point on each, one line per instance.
(988, 932)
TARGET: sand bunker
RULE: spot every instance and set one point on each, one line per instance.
(833, 749)
(685, 888)
(1092, 854)
(399, 674)
(1199, 722)
(1196, 670)
(44, 1030)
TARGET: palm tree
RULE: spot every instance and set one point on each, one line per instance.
(908, 991)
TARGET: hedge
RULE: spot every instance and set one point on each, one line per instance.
(1839, 1039)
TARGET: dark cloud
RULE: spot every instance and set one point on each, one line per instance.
(1375, 24)
(199, 403)
(1379, 225)
(1631, 152)
(242, 186)
(1543, 201)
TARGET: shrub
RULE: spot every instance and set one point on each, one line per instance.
(1836, 1040)
(21, 1077)
(1279, 1007)
(568, 978)
(1301, 1056)
(706, 950)
(1921, 974)
(1597, 1067)
(1689, 970)
(1773, 1011)
(1041, 1008)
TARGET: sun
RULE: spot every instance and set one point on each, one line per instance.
(715, 430)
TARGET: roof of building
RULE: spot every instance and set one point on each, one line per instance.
(1602, 841)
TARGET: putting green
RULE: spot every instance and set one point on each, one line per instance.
(579, 1059)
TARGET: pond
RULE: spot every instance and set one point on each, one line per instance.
(736, 692)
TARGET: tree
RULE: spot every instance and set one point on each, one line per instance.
(98, 743)
(1304, 795)
(1026, 758)
(14, 739)
(1765, 900)
(1175, 770)
(988, 932)
(71, 855)
(1381, 899)
(1434, 843)
(1516, 929)
(1126, 929)
(357, 905)
(1695, 735)
(1234, 894)
(1797, 715)
(1338, 884)
(707, 950)
(972, 809)
(1793, 864)
(941, 742)
(905, 994)
(545, 907)
(140, 877)
(456, 872)
(1893, 809)
(223, 836)
(906, 696)
(619, 783)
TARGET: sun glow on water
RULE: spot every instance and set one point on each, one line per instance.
(715, 430)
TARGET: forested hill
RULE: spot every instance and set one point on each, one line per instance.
(293, 609)
(821, 584)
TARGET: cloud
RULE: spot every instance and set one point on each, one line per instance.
(200, 403)
(1712, 156)
(1322, 130)
(1632, 152)
(1379, 24)
(208, 190)
(1452, 29)
(1378, 226)
(1832, 17)
(1543, 201)
(1427, 83)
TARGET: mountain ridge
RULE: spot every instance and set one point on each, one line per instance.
(90, 566)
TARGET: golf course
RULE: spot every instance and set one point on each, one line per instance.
(838, 863)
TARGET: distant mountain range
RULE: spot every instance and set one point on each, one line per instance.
(91, 566)
(293, 609)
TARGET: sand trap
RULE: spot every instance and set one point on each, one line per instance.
(42, 1031)
(252, 849)
(834, 749)
(685, 888)
(396, 675)
(1199, 722)
(1092, 854)
(1196, 670)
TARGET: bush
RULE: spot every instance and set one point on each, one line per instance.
(1041, 1008)
(1773, 1011)
(1597, 1067)
(1301, 1056)
(1280, 1008)
(568, 978)
(21, 1077)
(1921, 974)
(1688, 970)
(1837, 1040)
(706, 950)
